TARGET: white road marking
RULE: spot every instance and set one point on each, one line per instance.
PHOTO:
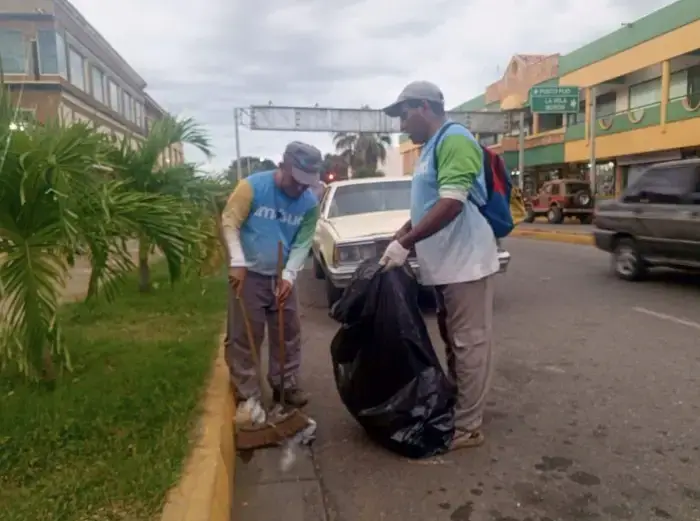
(670, 318)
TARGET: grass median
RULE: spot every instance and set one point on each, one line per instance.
(110, 440)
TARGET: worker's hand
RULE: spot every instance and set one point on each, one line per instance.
(283, 290)
(236, 276)
(394, 256)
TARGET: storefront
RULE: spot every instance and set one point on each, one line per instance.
(605, 179)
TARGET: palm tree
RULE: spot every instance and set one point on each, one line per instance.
(142, 171)
(362, 150)
(56, 198)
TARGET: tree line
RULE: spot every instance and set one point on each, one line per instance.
(357, 154)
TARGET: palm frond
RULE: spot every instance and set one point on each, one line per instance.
(69, 189)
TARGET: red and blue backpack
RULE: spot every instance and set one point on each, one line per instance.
(499, 188)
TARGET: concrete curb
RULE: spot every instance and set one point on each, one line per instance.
(554, 236)
(205, 490)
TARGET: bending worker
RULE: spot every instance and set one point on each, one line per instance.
(265, 208)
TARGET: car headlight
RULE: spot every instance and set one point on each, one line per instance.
(354, 253)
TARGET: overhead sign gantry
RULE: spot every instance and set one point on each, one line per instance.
(325, 119)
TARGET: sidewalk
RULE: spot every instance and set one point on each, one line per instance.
(262, 490)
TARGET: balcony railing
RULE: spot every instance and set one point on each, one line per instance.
(639, 117)
(682, 108)
(679, 109)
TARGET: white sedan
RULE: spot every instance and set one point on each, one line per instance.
(358, 219)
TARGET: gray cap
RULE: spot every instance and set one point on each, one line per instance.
(415, 91)
(305, 161)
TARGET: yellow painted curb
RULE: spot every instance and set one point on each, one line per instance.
(205, 490)
(554, 236)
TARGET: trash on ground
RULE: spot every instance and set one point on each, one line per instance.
(291, 446)
(250, 411)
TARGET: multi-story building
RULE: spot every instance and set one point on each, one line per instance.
(645, 78)
(57, 65)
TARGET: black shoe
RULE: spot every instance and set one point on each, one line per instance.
(292, 397)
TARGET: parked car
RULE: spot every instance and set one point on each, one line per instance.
(656, 221)
(562, 198)
(358, 219)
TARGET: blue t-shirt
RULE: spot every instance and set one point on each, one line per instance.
(465, 250)
(273, 217)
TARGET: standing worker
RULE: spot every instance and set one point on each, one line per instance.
(455, 245)
(264, 209)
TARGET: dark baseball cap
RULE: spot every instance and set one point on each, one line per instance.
(305, 161)
(415, 91)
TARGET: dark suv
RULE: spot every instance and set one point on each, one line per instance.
(656, 221)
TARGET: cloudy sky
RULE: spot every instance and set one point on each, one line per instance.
(203, 58)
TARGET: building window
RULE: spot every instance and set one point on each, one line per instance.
(694, 85)
(606, 104)
(551, 122)
(645, 94)
(61, 56)
(139, 115)
(48, 51)
(76, 64)
(13, 52)
(128, 107)
(678, 87)
(114, 102)
(98, 85)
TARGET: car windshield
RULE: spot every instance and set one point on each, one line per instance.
(370, 197)
(572, 188)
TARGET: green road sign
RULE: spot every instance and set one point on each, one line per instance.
(554, 100)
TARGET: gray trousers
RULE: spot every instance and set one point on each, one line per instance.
(258, 296)
(465, 317)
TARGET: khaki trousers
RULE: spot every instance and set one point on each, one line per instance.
(465, 320)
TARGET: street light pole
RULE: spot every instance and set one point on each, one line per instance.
(521, 150)
(592, 123)
(237, 123)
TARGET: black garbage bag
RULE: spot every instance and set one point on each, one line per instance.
(386, 369)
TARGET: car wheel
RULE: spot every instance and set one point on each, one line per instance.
(333, 294)
(318, 269)
(555, 215)
(530, 216)
(586, 219)
(628, 263)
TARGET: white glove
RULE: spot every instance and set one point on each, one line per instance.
(394, 256)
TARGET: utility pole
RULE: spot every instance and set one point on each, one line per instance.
(593, 122)
(521, 150)
(237, 123)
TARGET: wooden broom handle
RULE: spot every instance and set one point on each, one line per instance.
(280, 323)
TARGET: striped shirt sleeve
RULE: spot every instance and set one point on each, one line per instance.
(234, 215)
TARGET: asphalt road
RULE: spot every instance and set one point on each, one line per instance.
(570, 226)
(593, 413)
